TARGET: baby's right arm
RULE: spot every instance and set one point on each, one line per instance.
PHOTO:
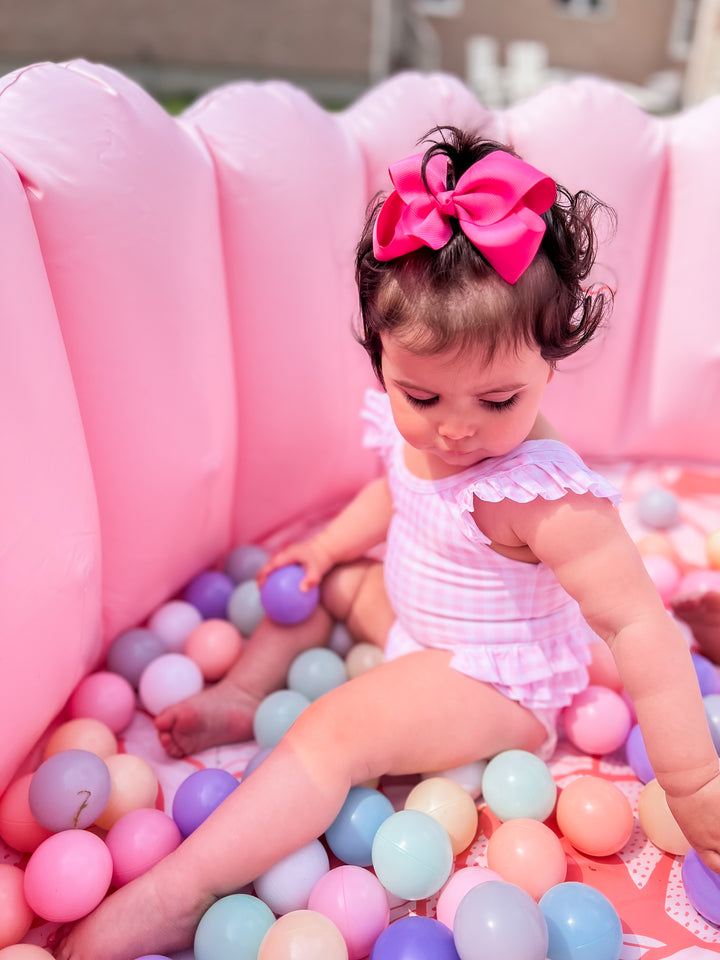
(361, 525)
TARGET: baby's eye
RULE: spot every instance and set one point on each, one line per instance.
(421, 401)
(499, 405)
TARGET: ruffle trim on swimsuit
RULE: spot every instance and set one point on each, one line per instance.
(380, 430)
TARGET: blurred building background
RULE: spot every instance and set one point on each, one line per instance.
(665, 52)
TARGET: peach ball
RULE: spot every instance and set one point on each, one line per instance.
(84, 733)
(594, 816)
(303, 935)
(527, 853)
(16, 916)
(18, 827)
(133, 786)
(657, 544)
(448, 803)
(658, 822)
(361, 658)
(712, 549)
(24, 951)
(214, 645)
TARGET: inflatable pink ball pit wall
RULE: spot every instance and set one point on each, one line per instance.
(178, 373)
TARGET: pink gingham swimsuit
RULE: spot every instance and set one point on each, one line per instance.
(507, 622)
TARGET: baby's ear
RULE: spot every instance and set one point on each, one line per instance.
(551, 373)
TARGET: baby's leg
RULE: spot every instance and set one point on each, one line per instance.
(701, 612)
(410, 715)
(223, 712)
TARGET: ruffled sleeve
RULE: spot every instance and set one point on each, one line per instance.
(540, 468)
(380, 431)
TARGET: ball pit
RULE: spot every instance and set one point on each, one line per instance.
(517, 783)
(527, 853)
(448, 803)
(597, 721)
(350, 836)
(198, 795)
(356, 902)
(286, 886)
(415, 938)
(233, 928)
(498, 919)
(594, 816)
(581, 922)
(68, 875)
(283, 600)
(412, 855)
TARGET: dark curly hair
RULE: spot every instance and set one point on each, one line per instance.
(452, 298)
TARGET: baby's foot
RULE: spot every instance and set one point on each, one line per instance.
(701, 612)
(222, 713)
(135, 921)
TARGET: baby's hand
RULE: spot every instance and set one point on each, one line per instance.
(309, 554)
(697, 817)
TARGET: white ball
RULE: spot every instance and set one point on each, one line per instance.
(168, 679)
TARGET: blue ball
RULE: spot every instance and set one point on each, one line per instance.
(581, 922)
(198, 795)
(499, 919)
(350, 836)
(517, 783)
(412, 855)
(636, 755)
(315, 672)
(415, 938)
(283, 600)
(233, 928)
(276, 714)
(711, 703)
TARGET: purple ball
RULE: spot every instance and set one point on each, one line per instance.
(132, 651)
(707, 674)
(69, 790)
(283, 600)
(415, 938)
(198, 795)
(702, 887)
(209, 592)
(255, 760)
(637, 757)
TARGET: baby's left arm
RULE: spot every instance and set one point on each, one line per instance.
(582, 538)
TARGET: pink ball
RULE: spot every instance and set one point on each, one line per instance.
(173, 622)
(597, 721)
(699, 581)
(139, 840)
(18, 827)
(168, 679)
(356, 902)
(214, 645)
(68, 876)
(456, 888)
(15, 914)
(104, 696)
(664, 574)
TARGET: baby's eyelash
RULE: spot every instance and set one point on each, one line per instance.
(499, 405)
(421, 401)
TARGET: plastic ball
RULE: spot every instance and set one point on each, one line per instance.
(68, 875)
(209, 592)
(412, 855)
(255, 760)
(286, 886)
(340, 641)
(702, 887)
(707, 673)
(356, 902)
(173, 622)
(658, 508)
(581, 922)
(527, 853)
(198, 795)
(69, 790)
(104, 696)
(82, 734)
(315, 672)
(283, 600)
(636, 755)
(139, 840)
(133, 785)
(132, 651)
(594, 816)
(244, 608)
(517, 783)
(16, 916)
(658, 822)
(658, 544)
(711, 703)
(450, 805)
(233, 928)
(415, 938)
(245, 562)
(24, 951)
(169, 679)
(712, 549)
(362, 657)
(303, 935)
(350, 836)
(455, 889)
(602, 669)
(699, 581)
(214, 645)
(18, 827)
(276, 714)
(597, 721)
(664, 574)
(469, 776)
(498, 919)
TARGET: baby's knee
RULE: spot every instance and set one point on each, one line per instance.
(341, 586)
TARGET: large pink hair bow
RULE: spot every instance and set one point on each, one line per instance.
(497, 201)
